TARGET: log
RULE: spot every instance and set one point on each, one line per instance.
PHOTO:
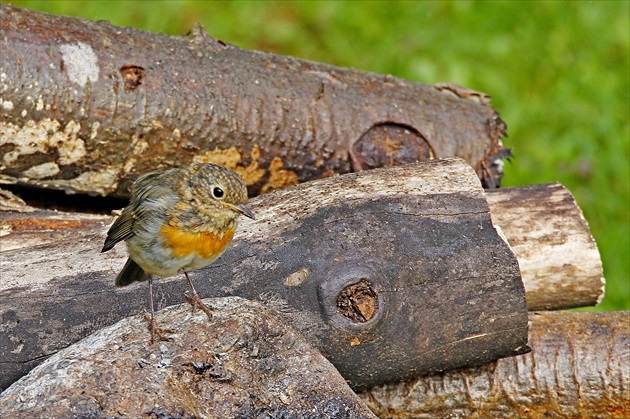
(246, 362)
(578, 368)
(557, 255)
(88, 106)
(358, 261)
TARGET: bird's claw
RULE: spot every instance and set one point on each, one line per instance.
(155, 330)
(195, 301)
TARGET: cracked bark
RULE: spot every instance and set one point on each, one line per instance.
(87, 107)
(246, 362)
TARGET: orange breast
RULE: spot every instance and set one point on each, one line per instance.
(204, 244)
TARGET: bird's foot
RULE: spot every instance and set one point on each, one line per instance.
(195, 301)
(155, 330)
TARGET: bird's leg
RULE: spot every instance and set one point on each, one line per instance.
(195, 301)
(153, 328)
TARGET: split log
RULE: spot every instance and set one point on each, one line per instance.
(390, 273)
(246, 362)
(578, 368)
(88, 106)
(558, 257)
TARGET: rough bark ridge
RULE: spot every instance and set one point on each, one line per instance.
(578, 368)
(88, 106)
(245, 362)
(358, 261)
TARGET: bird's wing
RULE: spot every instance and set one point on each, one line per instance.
(154, 184)
(122, 229)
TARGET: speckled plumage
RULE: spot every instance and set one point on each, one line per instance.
(169, 212)
(177, 220)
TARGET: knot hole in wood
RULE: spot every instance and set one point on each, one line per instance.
(358, 302)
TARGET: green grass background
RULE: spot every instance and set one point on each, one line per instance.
(558, 73)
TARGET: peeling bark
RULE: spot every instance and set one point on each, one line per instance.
(247, 361)
(87, 107)
(358, 261)
(578, 368)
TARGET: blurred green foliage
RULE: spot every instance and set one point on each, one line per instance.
(558, 73)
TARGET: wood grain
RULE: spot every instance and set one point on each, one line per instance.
(558, 257)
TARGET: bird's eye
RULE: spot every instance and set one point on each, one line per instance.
(217, 192)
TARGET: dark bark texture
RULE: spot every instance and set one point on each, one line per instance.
(246, 362)
(87, 107)
(578, 368)
(390, 273)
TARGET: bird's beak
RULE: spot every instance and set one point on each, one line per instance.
(242, 209)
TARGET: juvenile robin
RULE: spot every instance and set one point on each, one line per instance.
(178, 220)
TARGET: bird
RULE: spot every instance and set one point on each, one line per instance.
(177, 220)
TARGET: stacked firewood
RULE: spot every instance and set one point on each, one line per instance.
(419, 284)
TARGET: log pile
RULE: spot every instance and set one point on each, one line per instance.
(407, 234)
(412, 280)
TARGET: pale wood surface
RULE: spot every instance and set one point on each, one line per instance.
(558, 257)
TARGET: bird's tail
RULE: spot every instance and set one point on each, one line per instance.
(132, 272)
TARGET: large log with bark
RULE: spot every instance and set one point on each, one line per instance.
(557, 255)
(578, 368)
(390, 273)
(87, 107)
(247, 362)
